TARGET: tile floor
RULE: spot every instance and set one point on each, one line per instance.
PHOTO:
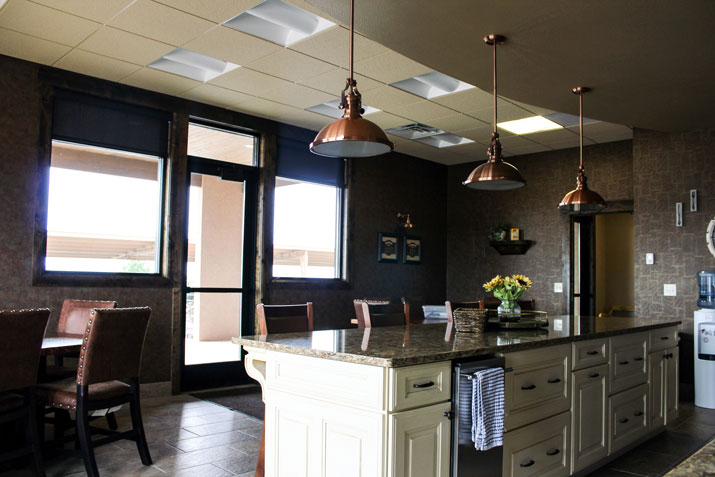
(190, 437)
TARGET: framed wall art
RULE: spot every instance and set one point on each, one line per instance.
(412, 250)
(387, 247)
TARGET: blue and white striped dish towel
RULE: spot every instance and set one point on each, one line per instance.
(488, 408)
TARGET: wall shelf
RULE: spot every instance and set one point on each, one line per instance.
(511, 247)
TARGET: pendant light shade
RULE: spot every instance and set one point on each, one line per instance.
(495, 174)
(351, 135)
(582, 199)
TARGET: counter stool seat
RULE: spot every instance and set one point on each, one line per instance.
(63, 394)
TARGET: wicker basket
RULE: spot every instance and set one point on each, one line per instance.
(470, 320)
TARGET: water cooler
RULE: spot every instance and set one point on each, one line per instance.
(704, 341)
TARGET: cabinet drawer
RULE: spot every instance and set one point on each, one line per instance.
(627, 413)
(539, 385)
(539, 449)
(627, 361)
(589, 353)
(662, 338)
(421, 385)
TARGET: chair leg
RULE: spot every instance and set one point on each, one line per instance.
(33, 434)
(61, 421)
(137, 424)
(83, 434)
(112, 421)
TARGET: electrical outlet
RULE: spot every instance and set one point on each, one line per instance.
(558, 287)
(669, 289)
(649, 259)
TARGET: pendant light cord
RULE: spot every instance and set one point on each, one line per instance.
(580, 121)
(494, 69)
(352, 34)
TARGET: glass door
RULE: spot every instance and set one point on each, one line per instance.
(218, 286)
(582, 265)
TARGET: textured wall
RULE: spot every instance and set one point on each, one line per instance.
(665, 168)
(19, 129)
(379, 188)
(471, 260)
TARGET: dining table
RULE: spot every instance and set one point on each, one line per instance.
(59, 345)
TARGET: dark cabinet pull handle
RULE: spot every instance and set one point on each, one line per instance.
(638, 359)
(529, 387)
(594, 375)
(552, 452)
(592, 353)
(623, 362)
(638, 413)
(423, 385)
(528, 464)
(554, 381)
(624, 420)
(664, 337)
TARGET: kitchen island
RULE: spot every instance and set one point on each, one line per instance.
(377, 402)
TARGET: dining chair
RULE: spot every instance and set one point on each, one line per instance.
(107, 376)
(280, 319)
(357, 304)
(284, 318)
(23, 331)
(453, 305)
(391, 314)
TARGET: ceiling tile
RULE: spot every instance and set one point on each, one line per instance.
(606, 132)
(231, 45)
(215, 10)
(332, 46)
(422, 112)
(481, 134)
(390, 67)
(302, 118)
(457, 122)
(515, 141)
(334, 81)
(475, 151)
(470, 100)
(46, 23)
(96, 65)
(527, 149)
(155, 80)
(30, 48)
(248, 81)
(297, 96)
(534, 109)
(289, 65)
(570, 143)
(211, 94)
(387, 121)
(388, 98)
(125, 46)
(416, 149)
(99, 11)
(550, 137)
(160, 22)
(506, 112)
(264, 108)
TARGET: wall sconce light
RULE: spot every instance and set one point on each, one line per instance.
(404, 220)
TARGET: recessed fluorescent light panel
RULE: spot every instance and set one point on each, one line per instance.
(568, 120)
(432, 85)
(444, 140)
(331, 109)
(414, 131)
(529, 125)
(192, 65)
(278, 22)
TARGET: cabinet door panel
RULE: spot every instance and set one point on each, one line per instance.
(627, 361)
(540, 449)
(671, 385)
(589, 416)
(628, 417)
(421, 440)
(656, 395)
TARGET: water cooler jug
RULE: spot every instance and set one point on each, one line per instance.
(704, 340)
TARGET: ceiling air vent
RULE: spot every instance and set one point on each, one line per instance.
(414, 131)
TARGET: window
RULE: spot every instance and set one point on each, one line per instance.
(306, 230)
(106, 184)
(308, 211)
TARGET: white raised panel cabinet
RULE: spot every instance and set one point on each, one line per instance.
(671, 385)
(421, 439)
(663, 387)
(589, 418)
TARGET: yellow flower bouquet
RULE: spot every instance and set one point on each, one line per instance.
(508, 290)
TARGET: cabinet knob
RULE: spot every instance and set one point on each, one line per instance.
(449, 415)
(528, 464)
(639, 358)
(594, 375)
(529, 387)
(623, 362)
(552, 452)
(554, 381)
(624, 420)
(592, 353)
(664, 337)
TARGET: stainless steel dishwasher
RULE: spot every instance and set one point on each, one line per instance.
(466, 460)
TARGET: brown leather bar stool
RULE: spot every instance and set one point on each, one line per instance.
(107, 376)
(393, 314)
(357, 303)
(280, 319)
(23, 331)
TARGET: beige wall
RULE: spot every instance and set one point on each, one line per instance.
(614, 261)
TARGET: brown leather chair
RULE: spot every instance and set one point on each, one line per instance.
(453, 305)
(107, 376)
(284, 318)
(23, 331)
(280, 319)
(75, 313)
(393, 314)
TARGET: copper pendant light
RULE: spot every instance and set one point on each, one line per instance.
(495, 174)
(351, 135)
(582, 199)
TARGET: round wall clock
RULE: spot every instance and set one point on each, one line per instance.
(710, 236)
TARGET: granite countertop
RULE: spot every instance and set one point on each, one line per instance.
(396, 346)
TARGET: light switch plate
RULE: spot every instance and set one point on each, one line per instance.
(558, 287)
(649, 259)
(669, 289)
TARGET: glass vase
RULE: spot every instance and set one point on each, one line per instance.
(509, 310)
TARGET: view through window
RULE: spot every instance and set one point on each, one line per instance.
(306, 228)
(103, 210)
